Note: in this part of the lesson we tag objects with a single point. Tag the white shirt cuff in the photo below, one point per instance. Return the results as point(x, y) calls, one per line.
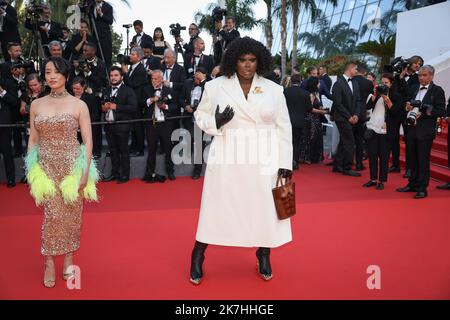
point(3, 93)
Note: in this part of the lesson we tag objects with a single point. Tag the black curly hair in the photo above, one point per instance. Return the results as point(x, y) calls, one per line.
point(240, 47)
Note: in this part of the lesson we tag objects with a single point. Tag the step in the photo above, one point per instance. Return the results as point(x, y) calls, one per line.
point(439, 144)
point(436, 157)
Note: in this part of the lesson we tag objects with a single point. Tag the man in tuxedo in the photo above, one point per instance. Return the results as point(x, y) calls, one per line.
point(150, 61)
point(198, 59)
point(420, 135)
point(9, 28)
point(323, 73)
point(446, 186)
point(323, 89)
point(119, 103)
point(190, 98)
point(65, 42)
point(137, 79)
point(345, 111)
point(92, 68)
point(161, 103)
point(365, 89)
point(193, 35)
point(18, 75)
point(226, 35)
point(55, 49)
point(174, 76)
point(79, 39)
point(15, 54)
point(103, 18)
point(141, 37)
point(49, 30)
point(8, 104)
point(298, 104)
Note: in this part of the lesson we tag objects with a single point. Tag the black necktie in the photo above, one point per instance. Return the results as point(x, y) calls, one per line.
point(423, 88)
point(350, 80)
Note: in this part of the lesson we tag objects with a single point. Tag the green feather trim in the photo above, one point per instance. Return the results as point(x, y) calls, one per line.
point(42, 187)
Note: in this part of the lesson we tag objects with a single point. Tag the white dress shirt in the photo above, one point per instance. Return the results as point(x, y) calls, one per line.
point(350, 83)
point(422, 92)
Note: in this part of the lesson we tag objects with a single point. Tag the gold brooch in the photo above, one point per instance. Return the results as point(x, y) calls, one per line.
point(257, 90)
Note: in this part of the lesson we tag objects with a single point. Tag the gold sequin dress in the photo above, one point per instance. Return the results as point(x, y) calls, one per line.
point(58, 150)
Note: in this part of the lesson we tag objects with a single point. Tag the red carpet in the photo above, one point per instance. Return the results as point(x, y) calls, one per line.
point(136, 244)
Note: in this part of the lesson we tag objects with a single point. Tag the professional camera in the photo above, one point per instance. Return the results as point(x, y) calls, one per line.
point(417, 106)
point(218, 13)
point(175, 29)
point(382, 90)
point(35, 8)
point(84, 65)
point(3, 3)
point(397, 65)
point(107, 98)
point(123, 59)
point(84, 4)
point(21, 62)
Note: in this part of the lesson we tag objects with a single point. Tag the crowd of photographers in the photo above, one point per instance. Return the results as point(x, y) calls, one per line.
point(149, 83)
point(146, 83)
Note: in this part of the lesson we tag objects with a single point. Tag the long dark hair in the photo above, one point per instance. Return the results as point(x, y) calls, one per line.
point(162, 33)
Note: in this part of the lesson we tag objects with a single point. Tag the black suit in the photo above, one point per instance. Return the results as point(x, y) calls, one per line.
point(5, 69)
point(72, 53)
point(161, 131)
point(189, 123)
point(345, 105)
point(152, 63)
point(177, 77)
point(420, 137)
point(365, 89)
point(96, 80)
point(205, 61)
point(145, 40)
point(54, 34)
point(225, 39)
point(448, 134)
point(103, 24)
point(8, 104)
point(137, 81)
point(93, 103)
point(298, 104)
point(10, 31)
point(117, 134)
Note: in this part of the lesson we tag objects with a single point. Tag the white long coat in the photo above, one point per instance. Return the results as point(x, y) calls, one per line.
point(237, 207)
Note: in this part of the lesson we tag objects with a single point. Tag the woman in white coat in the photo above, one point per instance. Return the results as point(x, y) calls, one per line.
point(252, 144)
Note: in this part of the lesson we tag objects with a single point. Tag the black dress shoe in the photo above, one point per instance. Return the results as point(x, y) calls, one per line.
point(337, 169)
point(171, 176)
point(421, 195)
point(147, 177)
point(23, 180)
point(11, 184)
point(137, 154)
point(394, 169)
point(407, 174)
point(196, 176)
point(406, 189)
point(197, 258)
point(360, 167)
point(263, 263)
point(351, 173)
point(444, 186)
point(109, 179)
point(295, 166)
point(380, 186)
point(370, 184)
point(123, 180)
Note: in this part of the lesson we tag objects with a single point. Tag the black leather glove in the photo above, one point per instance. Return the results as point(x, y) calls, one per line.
point(285, 173)
point(224, 117)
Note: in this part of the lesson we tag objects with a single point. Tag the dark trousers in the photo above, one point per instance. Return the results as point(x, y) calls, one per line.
point(137, 135)
point(97, 139)
point(393, 136)
point(378, 157)
point(358, 132)
point(419, 152)
point(296, 139)
point(346, 147)
point(117, 136)
point(161, 131)
point(6, 150)
point(190, 126)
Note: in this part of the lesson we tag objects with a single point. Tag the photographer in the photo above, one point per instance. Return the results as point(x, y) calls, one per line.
point(55, 49)
point(198, 59)
point(189, 99)
point(161, 103)
point(15, 54)
point(65, 42)
point(226, 35)
point(386, 104)
point(426, 102)
point(76, 44)
point(408, 77)
point(136, 78)
point(90, 67)
point(102, 16)
point(141, 38)
point(79, 90)
point(8, 104)
point(9, 31)
point(119, 103)
point(18, 76)
point(48, 30)
point(189, 47)
point(149, 61)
